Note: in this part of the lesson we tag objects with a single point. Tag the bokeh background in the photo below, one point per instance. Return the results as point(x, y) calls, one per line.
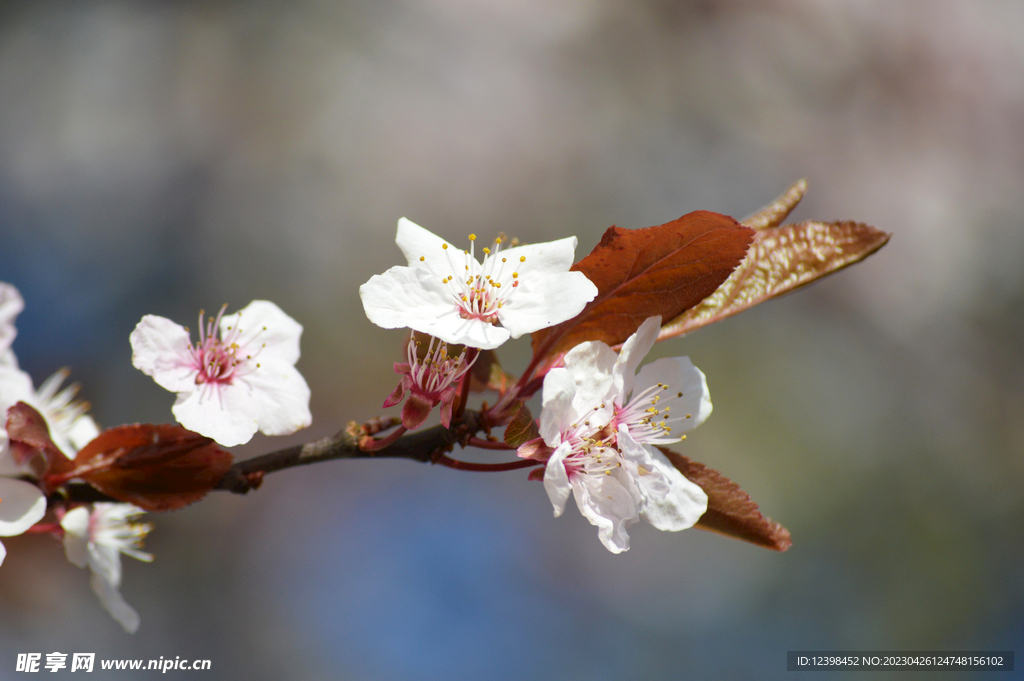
point(162, 157)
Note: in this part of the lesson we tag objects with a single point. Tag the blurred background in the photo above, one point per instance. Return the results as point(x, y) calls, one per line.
point(162, 157)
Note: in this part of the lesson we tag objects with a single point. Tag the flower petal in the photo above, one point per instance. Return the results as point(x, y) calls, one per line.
point(556, 479)
point(277, 394)
point(684, 504)
point(544, 301)
point(633, 352)
point(160, 348)
point(679, 374)
point(544, 258)
point(609, 505)
point(22, 505)
point(105, 561)
point(76, 535)
point(417, 242)
point(556, 405)
point(216, 412)
point(590, 365)
point(114, 603)
point(265, 328)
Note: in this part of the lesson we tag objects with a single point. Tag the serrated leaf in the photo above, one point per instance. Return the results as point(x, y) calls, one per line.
point(640, 273)
point(730, 510)
point(775, 212)
point(155, 467)
point(780, 260)
point(522, 428)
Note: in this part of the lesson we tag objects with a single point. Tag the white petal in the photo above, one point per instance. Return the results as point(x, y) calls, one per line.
point(22, 505)
point(3, 553)
point(105, 561)
point(279, 396)
point(391, 299)
point(82, 431)
point(556, 479)
point(633, 352)
point(452, 328)
point(639, 463)
point(114, 603)
point(556, 405)
point(220, 413)
point(11, 305)
point(679, 374)
point(609, 505)
point(590, 365)
point(549, 257)
point(417, 242)
point(76, 535)
point(160, 349)
point(265, 329)
point(684, 504)
point(15, 386)
point(543, 301)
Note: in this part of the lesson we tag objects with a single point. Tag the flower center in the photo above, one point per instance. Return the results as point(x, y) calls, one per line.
point(219, 360)
point(480, 290)
point(649, 418)
point(593, 450)
point(437, 370)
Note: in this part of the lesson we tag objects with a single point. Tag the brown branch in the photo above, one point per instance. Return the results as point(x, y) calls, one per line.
point(248, 474)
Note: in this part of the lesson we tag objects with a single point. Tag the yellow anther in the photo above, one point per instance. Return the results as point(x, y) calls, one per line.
point(515, 275)
point(472, 237)
point(444, 246)
point(498, 240)
point(687, 416)
point(522, 258)
point(487, 251)
point(679, 394)
point(422, 258)
point(504, 259)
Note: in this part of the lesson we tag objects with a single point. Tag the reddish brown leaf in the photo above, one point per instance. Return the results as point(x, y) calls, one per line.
point(775, 212)
point(155, 467)
point(29, 435)
point(521, 429)
point(780, 260)
point(730, 510)
point(640, 273)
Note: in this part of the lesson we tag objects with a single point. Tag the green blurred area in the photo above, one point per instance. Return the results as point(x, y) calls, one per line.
point(165, 157)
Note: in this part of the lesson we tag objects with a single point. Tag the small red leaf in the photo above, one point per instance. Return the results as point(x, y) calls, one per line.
point(155, 467)
point(730, 510)
point(522, 428)
point(780, 260)
point(640, 273)
point(29, 435)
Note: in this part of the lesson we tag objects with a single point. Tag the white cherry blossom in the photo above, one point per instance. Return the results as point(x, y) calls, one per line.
point(601, 420)
point(22, 505)
point(447, 293)
point(97, 539)
point(11, 305)
point(239, 378)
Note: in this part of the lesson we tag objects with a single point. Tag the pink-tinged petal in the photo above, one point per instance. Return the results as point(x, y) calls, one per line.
point(633, 352)
point(447, 401)
point(609, 505)
point(415, 411)
point(114, 603)
point(556, 405)
point(160, 348)
point(543, 301)
point(278, 394)
point(398, 393)
point(679, 374)
point(76, 535)
point(684, 504)
point(556, 479)
point(225, 416)
point(22, 505)
point(263, 328)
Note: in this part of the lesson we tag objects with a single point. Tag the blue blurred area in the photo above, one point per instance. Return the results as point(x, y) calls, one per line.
point(168, 157)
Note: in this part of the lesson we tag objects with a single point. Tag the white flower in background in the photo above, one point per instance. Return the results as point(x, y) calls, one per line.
point(70, 427)
point(602, 439)
point(447, 293)
point(11, 305)
point(239, 378)
point(97, 540)
point(22, 505)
